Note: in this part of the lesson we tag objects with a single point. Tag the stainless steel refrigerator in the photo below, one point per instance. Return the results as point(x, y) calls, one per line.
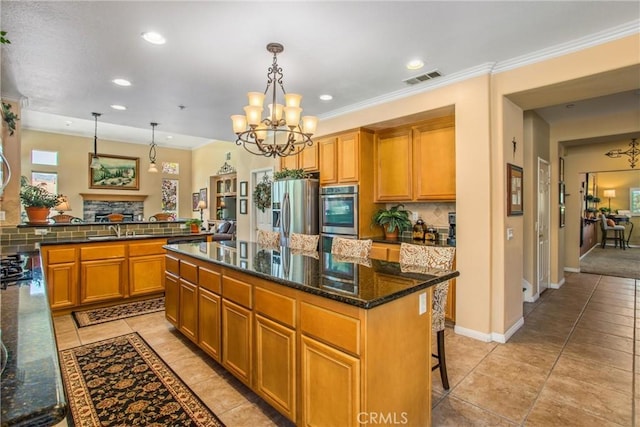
point(295, 207)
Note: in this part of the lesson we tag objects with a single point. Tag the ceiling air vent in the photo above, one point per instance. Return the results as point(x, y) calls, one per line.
point(423, 77)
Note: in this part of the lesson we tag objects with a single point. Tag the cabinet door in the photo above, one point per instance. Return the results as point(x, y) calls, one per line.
point(209, 323)
point(393, 166)
point(435, 153)
point(328, 372)
point(308, 158)
point(62, 285)
point(102, 280)
point(236, 340)
point(348, 156)
point(145, 274)
point(188, 311)
point(450, 310)
point(328, 169)
point(275, 365)
point(289, 162)
point(171, 299)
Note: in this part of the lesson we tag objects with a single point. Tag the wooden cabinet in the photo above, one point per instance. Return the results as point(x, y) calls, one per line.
point(385, 251)
point(589, 236)
point(236, 340)
point(327, 153)
point(188, 310)
point(146, 267)
point(62, 276)
point(307, 159)
point(209, 308)
point(343, 156)
point(103, 273)
point(172, 298)
point(416, 163)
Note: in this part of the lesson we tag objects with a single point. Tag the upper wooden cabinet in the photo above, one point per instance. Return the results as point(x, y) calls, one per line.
point(416, 163)
point(307, 159)
point(343, 155)
point(328, 170)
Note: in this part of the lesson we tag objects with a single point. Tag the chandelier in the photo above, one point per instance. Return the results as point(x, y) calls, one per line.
point(152, 150)
point(282, 133)
point(632, 152)
point(95, 161)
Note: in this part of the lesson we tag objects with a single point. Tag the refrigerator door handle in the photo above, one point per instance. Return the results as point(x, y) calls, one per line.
point(286, 215)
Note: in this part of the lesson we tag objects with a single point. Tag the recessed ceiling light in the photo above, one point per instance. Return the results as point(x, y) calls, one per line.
point(415, 64)
point(169, 137)
point(326, 97)
point(154, 38)
point(68, 123)
point(118, 107)
point(121, 82)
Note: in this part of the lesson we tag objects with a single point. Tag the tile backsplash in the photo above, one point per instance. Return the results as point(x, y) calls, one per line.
point(436, 214)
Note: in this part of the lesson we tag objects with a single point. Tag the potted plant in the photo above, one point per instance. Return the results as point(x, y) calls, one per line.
point(393, 220)
point(194, 223)
point(37, 201)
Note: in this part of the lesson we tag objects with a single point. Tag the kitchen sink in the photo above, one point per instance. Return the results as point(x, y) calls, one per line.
point(136, 236)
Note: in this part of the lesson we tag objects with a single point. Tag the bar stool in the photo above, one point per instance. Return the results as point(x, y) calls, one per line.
point(618, 232)
point(441, 258)
point(351, 247)
point(269, 238)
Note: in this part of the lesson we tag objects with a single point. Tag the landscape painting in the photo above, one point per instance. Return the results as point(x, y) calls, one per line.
point(115, 172)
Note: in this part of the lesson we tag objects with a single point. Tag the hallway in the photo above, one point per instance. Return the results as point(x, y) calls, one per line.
point(571, 364)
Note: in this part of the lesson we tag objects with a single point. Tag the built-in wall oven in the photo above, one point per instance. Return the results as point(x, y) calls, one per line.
point(339, 210)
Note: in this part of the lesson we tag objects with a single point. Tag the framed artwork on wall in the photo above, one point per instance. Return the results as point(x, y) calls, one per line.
point(203, 195)
point(514, 190)
point(115, 173)
point(195, 198)
point(243, 188)
point(243, 206)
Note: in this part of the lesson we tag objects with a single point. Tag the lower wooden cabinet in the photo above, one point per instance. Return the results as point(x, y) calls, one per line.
point(145, 274)
point(171, 298)
point(188, 311)
point(236, 340)
point(62, 285)
point(209, 306)
point(102, 280)
point(330, 385)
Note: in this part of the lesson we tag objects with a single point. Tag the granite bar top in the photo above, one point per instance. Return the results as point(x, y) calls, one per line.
point(112, 238)
point(361, 283)
point(31, 389)
point(410, 240)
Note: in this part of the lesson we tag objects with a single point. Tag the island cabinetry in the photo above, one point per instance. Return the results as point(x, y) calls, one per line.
point(306, 160)
point(146, 267)
point(62, 276)
point(209, 308)
point(188, 300)
point(103, 273)
point(237, 324)
point(416, 162)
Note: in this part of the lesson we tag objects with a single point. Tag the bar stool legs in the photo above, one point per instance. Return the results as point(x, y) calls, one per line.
point(442, 362)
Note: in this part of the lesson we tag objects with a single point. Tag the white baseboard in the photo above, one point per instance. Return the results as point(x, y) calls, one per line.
point(493, 336)
point(503, 338)
point(572, 269)
point(533, 298)
point(559, 284)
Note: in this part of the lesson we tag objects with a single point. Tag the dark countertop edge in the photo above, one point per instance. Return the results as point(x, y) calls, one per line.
point(84, 224)
point(46, 416)
point(323, 293)
point(380, 239)
point(121, 239)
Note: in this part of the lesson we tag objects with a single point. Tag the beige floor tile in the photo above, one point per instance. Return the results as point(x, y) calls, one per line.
point(606, 327)
point(613, 301)
point(608, 308)
point(193, 370)
point(612, 405)
point(66, 340)
point(561, 330)
point(541, 359)
point(453, 412)
point(64, 323)
point(619, 281)
point(531, 338)
point(606, 377)
point(223, 394)
point(247, 414)
point(583, 335)
point(103, 331)
point(148, 322)
point(615, 318)
point(505, 398)
point(599, 354)
point(512, 370)
point(549, 412)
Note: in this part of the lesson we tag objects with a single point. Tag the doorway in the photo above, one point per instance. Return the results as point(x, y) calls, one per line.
point(543, 226)
point(260, 220)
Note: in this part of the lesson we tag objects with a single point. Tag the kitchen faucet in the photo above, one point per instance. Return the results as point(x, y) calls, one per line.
point(115, 229)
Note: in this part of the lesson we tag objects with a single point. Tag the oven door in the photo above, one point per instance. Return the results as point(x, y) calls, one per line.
point(339, 213)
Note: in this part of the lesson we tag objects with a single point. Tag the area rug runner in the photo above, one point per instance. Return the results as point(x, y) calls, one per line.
point(612, 261)
point(121, 381)
point(115, 312)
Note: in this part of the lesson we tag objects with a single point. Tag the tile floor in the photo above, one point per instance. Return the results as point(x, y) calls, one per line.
point(571, 364)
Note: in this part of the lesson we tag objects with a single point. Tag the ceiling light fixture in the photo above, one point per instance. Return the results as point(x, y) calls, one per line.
point(154, 38)
point(118, 107)
point(121, 82)
point(326, 97)
point(95, 161)
point(152, 150)
point(274, 135)
point(632, 152)
point(415, 64)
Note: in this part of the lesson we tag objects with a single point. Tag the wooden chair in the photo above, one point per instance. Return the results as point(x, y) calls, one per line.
point(437, 257)
point(304, 242)
point(351, 247)
point(618, 232)
point(269, 238)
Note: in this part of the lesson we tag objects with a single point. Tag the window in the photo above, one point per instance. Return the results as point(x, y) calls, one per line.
point(48, 179)
point(39, 157)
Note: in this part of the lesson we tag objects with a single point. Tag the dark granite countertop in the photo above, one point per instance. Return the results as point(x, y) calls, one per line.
point(123, 238)
point(399, 240)
point(31, 389)
point(363, 284)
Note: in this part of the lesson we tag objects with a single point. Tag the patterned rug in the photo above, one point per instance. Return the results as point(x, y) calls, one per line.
point(115, 312)
point(122, 382)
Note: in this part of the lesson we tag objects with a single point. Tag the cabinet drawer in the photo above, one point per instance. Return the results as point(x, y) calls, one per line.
point(102, 252)
point(172, 265)
point(276, 306)
point(189, 271)
point(210, 280)
point(331, 327)
point(147, 248)
point(236, 291)
point(58, 256)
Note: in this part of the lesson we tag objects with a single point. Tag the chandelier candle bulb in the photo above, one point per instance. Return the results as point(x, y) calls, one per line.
point(254, 114)
point(256, 99)
point(309, 124)
point(292, 115)
point(239, 123)
point(292, 99)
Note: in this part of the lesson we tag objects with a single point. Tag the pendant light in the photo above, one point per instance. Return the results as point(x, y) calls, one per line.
point(95, 161)
point(152, 150)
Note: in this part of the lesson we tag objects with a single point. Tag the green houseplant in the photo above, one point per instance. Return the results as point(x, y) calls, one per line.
point(393, 220)
point(37, 201)
point(194, 224)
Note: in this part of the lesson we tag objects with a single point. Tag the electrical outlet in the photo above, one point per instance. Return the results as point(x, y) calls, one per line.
point(414, 216)
point(423, 303)
point(3, 216)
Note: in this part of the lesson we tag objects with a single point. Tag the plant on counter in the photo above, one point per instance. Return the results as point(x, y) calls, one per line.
point(36, 196)
point(393, 220)
point(290, 174)
point(193, 221)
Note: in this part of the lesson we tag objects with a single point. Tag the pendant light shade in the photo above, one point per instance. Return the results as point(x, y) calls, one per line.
point(95, 161)
point(152, 150)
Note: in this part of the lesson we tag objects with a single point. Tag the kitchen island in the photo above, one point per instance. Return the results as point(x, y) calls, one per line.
point(325, 341)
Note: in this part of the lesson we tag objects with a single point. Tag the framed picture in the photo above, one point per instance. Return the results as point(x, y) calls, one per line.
point(243, 264)
point(561, 193)
point(169, 201)
point(115, 173)
point(203, 195)
point(243, 188)
point(561, 216)
point(195, 198)
point(243, 206)
point(561, 170)
point(243, 250)
point(514, 190)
